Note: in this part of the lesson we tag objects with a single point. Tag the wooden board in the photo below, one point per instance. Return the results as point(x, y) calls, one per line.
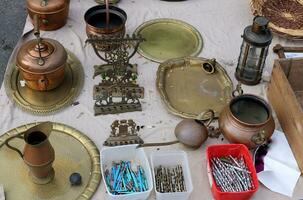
point(282, 89)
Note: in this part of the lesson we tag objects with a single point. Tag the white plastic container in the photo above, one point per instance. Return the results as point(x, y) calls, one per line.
point(172, 159)
point(127, 153)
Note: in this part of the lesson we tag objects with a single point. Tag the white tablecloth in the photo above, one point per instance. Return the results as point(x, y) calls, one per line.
point(221, 24)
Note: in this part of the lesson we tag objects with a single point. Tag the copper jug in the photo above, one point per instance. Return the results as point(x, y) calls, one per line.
point(42, 62)
point(38, 153)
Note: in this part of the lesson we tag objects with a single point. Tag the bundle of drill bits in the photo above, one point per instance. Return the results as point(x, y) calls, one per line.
point(231, 174)
point(169, 180)
point(121, 179)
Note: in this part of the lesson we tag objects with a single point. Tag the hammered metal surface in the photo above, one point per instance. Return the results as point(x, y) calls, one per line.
point(187, 90)
point(168, 38)
point(43, 103)
point(74, 152)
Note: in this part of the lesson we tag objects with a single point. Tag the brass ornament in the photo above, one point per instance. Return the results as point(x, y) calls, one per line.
point(118, 76)
point(47, 102)
point(123, 132)
point(74, 152)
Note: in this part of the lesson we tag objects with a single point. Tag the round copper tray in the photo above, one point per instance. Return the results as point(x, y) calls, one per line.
point(74, 152)
point(43, 103)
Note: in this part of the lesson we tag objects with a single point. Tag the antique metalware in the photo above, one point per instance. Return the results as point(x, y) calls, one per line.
point(189, 86)
point(74, 152)
point(118, 91)
point(42, 62)
point(38, 153)
point(42, 103)
point(288, 52)
point(168, 38)
point(248, 120)
point(105, 22)
point(169, 179)
point(189, 132)
point(123, 132)
point(75, 179)
point(52, 13)
point(285, 94)
point(254, 50)
point(286, 17)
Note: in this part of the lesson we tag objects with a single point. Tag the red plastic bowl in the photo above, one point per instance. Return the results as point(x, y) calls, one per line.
point(235, 150)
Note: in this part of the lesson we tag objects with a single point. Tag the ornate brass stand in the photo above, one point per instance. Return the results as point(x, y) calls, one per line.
point(118, 91)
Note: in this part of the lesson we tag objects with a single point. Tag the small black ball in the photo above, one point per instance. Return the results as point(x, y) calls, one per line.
point(75, 179)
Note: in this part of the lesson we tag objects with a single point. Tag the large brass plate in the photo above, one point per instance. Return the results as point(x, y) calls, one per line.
point(42, 103)
point(74, 152)
point(187, 90)
point(168, 38)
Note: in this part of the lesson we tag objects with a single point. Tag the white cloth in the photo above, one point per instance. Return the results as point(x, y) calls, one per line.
point(281, 171)
point(2, 196)
point(221, 24)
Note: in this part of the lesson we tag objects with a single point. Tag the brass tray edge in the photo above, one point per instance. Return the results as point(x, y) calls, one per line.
point(198, 34)
point(164, 99)
point(10, 92)
point(89, 145)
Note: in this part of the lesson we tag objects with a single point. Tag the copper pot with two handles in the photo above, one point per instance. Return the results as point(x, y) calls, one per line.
point(248, 120)
point(42, 62)
point(52, 14)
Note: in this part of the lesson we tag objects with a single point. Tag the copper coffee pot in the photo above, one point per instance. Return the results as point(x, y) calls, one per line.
point(38, 153)
point(42, 62)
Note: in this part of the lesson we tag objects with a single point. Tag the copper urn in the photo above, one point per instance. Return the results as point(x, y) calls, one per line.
point(38, 153)
point(247, 120)
point(42, 63)
point(52, 13)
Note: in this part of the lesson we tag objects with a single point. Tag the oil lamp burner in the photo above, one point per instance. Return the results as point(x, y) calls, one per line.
point(254, 49)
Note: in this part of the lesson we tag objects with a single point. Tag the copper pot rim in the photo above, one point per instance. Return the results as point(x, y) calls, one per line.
point(256, 98)
point(113, 10)
point(45, 12)
point(42, 73)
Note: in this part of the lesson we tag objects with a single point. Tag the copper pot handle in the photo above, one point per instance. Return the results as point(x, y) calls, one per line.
point(238, 91)
point(43, 83)
point(37, 34)
point(212, 116)
point(14, 148)
point(259, 138)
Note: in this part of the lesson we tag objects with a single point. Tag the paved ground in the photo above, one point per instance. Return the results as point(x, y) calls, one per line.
point(12, 18)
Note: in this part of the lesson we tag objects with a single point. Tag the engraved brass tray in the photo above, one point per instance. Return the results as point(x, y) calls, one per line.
point(74, 152)
point(168, 38)
point(48, 102)
point(188, 90)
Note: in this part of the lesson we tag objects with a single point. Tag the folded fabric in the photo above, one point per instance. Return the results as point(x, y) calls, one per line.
point(281, 171)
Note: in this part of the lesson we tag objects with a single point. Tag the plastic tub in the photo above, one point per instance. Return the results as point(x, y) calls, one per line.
point(127, 153)
point(235, 150)
point(172, 159)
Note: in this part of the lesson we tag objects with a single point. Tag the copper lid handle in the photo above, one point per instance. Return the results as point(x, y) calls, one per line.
point(37, 34)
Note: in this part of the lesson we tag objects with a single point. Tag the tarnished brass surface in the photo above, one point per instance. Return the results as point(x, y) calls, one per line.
point(75, 152)
point(168, 38)
point(47, 102)
point(188, 90)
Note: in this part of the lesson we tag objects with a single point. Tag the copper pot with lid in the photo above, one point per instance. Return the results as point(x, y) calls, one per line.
point(52, 13)
point(42, 62)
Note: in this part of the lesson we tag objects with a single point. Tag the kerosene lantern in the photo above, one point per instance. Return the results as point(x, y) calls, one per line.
point(254, 49)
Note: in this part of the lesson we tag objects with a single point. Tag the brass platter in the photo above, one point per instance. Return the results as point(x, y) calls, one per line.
point(43, 103)
point(74, 152)
point(168, 38)
point(187, 90)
